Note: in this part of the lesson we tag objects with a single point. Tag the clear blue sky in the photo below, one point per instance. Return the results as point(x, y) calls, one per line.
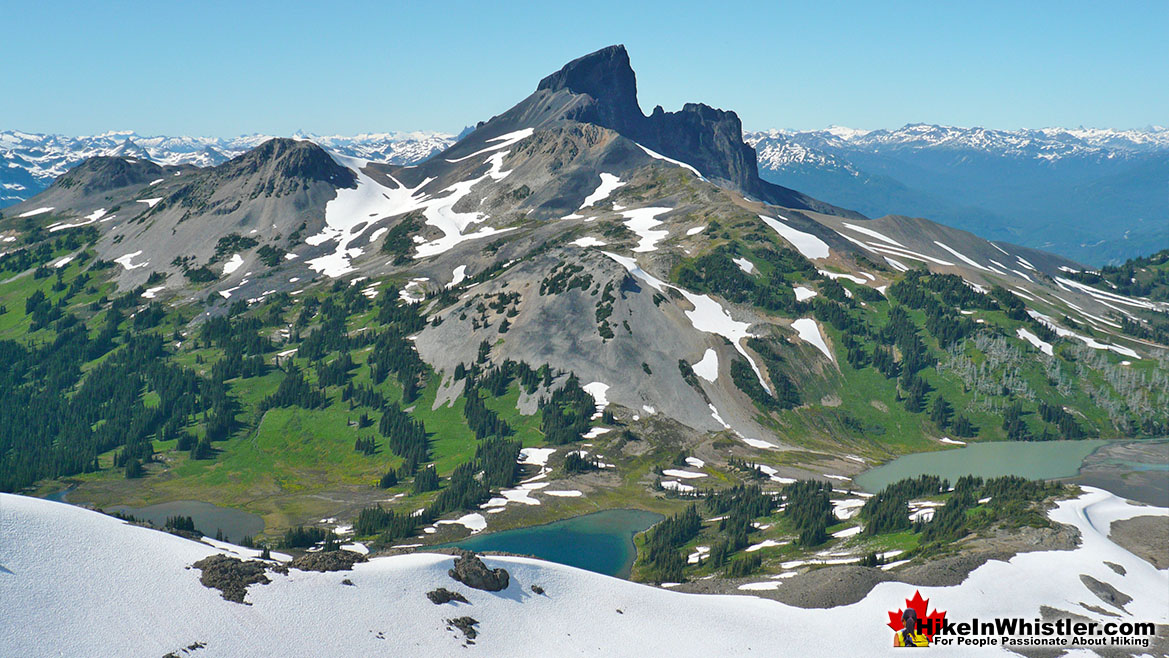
point(229, 68)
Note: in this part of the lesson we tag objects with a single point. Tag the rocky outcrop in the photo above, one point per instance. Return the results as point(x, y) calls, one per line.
point(231, 575)
point(340, 560)
point(470, 571)
point(466, 625)
point(443, 595)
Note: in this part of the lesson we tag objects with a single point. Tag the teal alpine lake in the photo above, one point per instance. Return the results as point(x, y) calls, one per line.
point(1036, 460)
point(600, 542)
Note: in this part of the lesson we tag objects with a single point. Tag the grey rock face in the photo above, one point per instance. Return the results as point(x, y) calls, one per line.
point(470, 571)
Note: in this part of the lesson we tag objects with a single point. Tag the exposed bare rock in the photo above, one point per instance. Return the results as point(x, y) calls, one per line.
point(1107, 593)
point(443, 595)
point(231, 575)
point(1147, 537)
point(466, 625)
point(470, 571)
point(340, 560)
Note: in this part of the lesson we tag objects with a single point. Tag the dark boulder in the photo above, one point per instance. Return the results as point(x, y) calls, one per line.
point(231, 575)
point(443, 595)
point(470, 571)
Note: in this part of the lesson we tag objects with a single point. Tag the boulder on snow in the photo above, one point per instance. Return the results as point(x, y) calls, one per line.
point(443, 595)
point(231, 575)
point(470, 571)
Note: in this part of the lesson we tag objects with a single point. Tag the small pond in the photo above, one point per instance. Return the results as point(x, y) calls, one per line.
point(209, 519)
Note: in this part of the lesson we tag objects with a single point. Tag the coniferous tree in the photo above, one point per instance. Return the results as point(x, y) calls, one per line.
point(940, 412)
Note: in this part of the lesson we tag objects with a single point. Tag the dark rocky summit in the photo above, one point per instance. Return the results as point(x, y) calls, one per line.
point(707, 138)
point(470, 571)
point(102, 174)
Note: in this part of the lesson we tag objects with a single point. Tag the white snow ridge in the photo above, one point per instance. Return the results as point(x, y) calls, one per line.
point(60, 563)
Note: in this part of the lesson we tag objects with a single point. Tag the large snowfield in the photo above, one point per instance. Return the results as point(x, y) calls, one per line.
point(78, 583)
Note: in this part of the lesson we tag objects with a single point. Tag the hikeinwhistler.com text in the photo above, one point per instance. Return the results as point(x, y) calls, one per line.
point(1018, 632)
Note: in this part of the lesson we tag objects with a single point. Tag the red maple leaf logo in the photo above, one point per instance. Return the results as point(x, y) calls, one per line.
point(919, 606)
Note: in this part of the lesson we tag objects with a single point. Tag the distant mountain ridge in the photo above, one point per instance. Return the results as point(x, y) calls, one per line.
point(1096, 195)
point(30, 162)
point(1037, 143)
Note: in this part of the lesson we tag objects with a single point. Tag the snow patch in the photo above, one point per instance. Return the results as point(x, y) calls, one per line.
point(864, 230)
point(707, 368)
point(745, 265)
point(838, 275)
point(609, 183)
point(659, 156)
point(38, 211)
point(125, 261)
point(1041, 345)
point(807, 244)
point(809, 332)
point(457, 276)
point(803, 293)
point(598, 390)
point(588, 241)
point(642, 222)
point(233, 264)
point(685, 475)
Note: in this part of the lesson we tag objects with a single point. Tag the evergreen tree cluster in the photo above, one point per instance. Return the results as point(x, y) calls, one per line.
point(664, 562)
point(717, 273)
point(483, 421)
point(809, 509)
point(56, 422)
point(566, 414)
point(785, 393)
point(1062, 419)
point(294, 391)
point(499, 460)
point(888, 511)
point(306, 537)
point(738, 506)
point(406, 437)
point(574, 462)
point(390, 525)
point(180, 523)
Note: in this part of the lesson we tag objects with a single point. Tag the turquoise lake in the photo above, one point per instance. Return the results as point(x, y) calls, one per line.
point(600, 542)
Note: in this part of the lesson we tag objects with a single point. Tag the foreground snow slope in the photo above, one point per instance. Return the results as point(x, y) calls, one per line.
point(78, 583)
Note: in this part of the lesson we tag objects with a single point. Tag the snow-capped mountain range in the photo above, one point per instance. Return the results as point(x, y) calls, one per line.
point(1094, 195)
point(30, 162)
point(778, 148)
